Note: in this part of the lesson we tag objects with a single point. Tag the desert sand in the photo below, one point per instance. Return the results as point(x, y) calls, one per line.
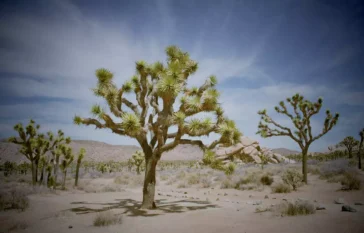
point(191, 209)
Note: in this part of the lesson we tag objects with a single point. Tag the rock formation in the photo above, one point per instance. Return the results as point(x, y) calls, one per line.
point(248, 150)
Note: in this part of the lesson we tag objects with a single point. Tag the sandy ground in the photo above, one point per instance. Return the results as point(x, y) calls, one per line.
point(203, 210)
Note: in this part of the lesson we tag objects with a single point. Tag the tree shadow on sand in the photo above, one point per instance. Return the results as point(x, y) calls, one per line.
point(132, 207)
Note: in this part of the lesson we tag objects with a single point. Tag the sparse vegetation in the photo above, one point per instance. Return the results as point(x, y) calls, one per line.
point(303, 132)
point(281, 188)
point(15, 199)
point(107, 218)
point(351, 181)
point(266, 179)
point(299, 207)
point(293, 178)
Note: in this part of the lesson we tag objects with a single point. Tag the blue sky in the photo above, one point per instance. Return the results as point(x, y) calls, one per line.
point(260, 51)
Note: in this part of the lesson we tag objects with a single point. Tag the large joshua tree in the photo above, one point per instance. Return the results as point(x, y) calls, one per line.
point(302, 134)
point(361, 134)
point(350, 143)
point(153, 115)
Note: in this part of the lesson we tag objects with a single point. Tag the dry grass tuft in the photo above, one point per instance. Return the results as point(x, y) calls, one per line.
point(107, 218)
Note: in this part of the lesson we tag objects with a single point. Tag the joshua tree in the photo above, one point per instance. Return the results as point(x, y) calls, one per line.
point(130, 164)
point(138, 159)
point(155, 112)
point(34, 145)
point(361, 134)
point(81, 154)
point(350, 143)
point(68, 157)
point(303, 111)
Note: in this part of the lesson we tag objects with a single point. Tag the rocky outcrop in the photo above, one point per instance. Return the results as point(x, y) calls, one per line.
point(248, 150)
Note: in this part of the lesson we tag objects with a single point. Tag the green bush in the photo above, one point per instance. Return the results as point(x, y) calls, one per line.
point(266, 180)
point(350, 181)
point(14, 200)
point(281, 188)
point(293, 178)
point(297, 208)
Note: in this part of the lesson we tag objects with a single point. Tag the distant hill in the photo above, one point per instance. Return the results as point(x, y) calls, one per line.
point(100, 151)
point(285, 151)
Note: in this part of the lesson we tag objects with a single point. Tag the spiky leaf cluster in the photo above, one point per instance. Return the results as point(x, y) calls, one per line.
point(303, 110)
point(156, 88)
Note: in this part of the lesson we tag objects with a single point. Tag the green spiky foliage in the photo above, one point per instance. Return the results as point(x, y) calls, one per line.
point(149, 119)
point(35, 145)
point(264, 158)
point(9, 168)
point(130, 164)
point(349, 143)
point(26, 140)
point(67, 158)
point(80, 157)
point(303, 110)
point(361, 134)
point(209, 159)
point(138, 159)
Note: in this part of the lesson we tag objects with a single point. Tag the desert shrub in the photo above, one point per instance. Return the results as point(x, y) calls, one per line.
point(193, 179)
point(230, 169)
point(333, 168)
point(124, 180)
point(292, 177)
point(107, 218)
point(314, 170)
point(181, 175)
point(227, 184)
point(281, 188)
point(15, 199)
point(164, 177)
point(352, 163)
point(266, 179)
point(206, 182)
point(350, 181)
point(300, 207)
point(182, 185)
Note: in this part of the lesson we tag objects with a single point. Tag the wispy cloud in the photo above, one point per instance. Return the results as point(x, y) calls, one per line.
point(55, 55)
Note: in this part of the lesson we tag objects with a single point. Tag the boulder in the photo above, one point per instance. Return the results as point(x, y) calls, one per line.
point(248, 150)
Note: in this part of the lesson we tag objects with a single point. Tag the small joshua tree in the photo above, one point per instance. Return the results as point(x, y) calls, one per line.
point(361, 134)
point(68, 157)
point(81, 154)
point(130, 164)
point(155, 113)
point(301, 118)
point(34, 145)
point(264, 158)
point(350, 143)
point(138, 159)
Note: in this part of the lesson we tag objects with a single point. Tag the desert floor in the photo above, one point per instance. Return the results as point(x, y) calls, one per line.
point(192, 209)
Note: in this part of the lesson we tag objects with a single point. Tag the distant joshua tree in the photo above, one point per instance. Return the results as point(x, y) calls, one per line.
point(152, 116)
point(361, 134)
point(350, 143)
point(302, 135)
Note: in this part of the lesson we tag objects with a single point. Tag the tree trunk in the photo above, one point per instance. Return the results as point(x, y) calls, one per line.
point(350, 153)
point(56, 171)
point(359, 155)
point(36, 169)
point(77, 171)
point(64, 179)
point(34, 174)
point(138, 170)
point(149, 183)
point(304, 164)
